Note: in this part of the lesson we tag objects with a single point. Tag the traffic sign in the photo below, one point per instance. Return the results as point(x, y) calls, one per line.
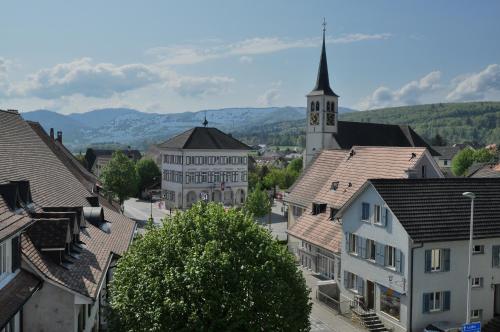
point(472, 327)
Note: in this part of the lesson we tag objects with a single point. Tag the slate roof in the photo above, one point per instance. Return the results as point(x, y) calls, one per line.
point(15, 294)
point(351, 173)
point(351, 134)
point(435, 210)
point(204, 138)
point(11, 222)
point(314, 177)
point(323, 81)
point(53, 185)
point(488, 170)
point(447, 152)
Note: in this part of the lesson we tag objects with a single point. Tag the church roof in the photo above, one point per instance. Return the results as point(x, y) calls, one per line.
point(323, 82)
point(204, 138)
point(378, 134)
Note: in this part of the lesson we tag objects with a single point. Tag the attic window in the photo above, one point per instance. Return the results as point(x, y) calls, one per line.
point(318, 208)
point(335, 185)
point(333, 212)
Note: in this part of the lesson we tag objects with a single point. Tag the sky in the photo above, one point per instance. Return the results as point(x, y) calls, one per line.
point(176, 56)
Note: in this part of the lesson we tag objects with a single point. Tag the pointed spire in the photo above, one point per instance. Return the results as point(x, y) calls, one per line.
point(205, 122)
point(323, 81)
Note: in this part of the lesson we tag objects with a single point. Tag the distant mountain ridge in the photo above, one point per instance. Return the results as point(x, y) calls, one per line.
point(126, 126)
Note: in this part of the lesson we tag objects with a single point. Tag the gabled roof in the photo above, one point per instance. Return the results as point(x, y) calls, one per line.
point(350, 134)
point(355, 168)
point(435, 210)
point(484, 170)
point(447, 152)
point(204, 138)
point(314, 177)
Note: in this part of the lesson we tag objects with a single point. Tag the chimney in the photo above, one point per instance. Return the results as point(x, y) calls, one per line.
point(59, 136)
point(52, 133)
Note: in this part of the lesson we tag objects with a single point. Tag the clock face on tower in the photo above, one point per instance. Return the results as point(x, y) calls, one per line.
point(314, 118)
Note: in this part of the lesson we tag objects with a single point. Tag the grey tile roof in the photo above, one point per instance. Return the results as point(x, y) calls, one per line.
point(447, 152)
point(435, 210)
point(204, 138)
point(376, 134)
point(484, 170)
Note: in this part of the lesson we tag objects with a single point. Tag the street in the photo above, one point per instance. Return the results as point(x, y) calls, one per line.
point(140, 211)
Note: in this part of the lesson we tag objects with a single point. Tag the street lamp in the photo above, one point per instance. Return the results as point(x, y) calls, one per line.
point(472, 196)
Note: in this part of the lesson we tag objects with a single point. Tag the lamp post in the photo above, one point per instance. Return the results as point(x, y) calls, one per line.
point(472, 196)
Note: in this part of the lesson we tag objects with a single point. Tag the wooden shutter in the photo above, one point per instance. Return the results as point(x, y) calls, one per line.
point(428, 254)
point(446, 259)
point(379, 253)
point(446, 300)
point(425, 302)
point(495, 251)
point(399, 260)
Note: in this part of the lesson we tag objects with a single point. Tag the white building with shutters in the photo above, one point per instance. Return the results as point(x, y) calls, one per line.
point(204, 164)
point(405, 252)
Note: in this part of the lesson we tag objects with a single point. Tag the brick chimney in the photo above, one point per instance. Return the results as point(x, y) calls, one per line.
point(59, 136)
point(52, 133)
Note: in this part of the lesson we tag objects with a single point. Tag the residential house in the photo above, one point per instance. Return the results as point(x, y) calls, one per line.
point(446, 154)
point(74, 241)
point(484, 170)
point(204, 163)
point(405, 251)
point(97, 159)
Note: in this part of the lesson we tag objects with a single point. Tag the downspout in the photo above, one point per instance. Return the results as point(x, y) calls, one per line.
point(411, 280)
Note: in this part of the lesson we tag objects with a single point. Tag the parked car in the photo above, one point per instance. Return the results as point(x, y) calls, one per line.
point(443, 326)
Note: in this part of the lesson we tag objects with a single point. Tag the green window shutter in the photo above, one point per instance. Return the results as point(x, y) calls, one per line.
point(495, 251)
point(425, 302)
point(446, 300)
point(428, 260)
point(446, 259)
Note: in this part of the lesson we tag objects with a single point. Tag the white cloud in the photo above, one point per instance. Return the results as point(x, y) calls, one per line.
point(410, 93)
point(270, 96)
point(476, 86)
point(246, 59)
point(192, 54)
point(104, 80)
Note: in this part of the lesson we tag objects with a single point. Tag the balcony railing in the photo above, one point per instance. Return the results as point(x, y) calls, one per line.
point(329, 301)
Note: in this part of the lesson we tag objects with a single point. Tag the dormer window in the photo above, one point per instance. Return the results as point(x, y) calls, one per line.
point(335, 185)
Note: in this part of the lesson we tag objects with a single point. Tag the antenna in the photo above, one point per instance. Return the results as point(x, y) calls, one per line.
point(205, 122)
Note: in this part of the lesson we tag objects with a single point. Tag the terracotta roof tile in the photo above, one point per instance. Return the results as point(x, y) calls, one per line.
point(318, 230)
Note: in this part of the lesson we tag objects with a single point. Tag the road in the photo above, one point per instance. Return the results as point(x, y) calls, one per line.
point(140, 211)
point(278, 221)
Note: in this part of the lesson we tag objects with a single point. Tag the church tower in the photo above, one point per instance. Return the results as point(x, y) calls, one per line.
point(322, 111)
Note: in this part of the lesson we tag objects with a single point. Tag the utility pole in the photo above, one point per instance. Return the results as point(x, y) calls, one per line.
point(472, 196)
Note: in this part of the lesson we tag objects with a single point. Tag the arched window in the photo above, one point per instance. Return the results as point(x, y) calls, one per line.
point(312, 105)
point(333, 106)
point(328, 106)
point(317, 106)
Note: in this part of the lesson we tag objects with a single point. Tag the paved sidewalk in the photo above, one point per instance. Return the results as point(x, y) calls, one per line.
point(324, 319)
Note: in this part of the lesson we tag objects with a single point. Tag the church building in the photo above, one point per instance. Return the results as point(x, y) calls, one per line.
point(325, 131)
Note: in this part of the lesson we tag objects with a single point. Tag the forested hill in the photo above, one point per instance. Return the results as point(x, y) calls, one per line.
point(456, 122)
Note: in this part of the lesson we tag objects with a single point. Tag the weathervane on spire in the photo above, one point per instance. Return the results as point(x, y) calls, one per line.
point(205, 122)
point(324, 26)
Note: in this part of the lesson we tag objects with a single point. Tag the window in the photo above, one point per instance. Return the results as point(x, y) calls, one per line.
point(437, 260)
point(478, 249)
point(377, 214)
point(476, 314)
point(390, 256)
point(365, 211)
point(296, 211)
point(312, 105)
point(445, 162)
point(330, 114)
point(424, 171)
point(390, 302)
point(436, 301)
point(353, 245)
point(477, 282)
point(327, 106)
point(317, 106)
point(353, 282)
point(370, 249)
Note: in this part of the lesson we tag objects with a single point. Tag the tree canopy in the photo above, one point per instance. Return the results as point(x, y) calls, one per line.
point(208, 269)
point(148, 173)
point(465, 158)
point(258, 203)
point(120, 177)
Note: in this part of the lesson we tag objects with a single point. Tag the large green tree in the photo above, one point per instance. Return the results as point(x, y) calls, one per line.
point(120, 177)
point(258, 203)
point(208, 269)
point(465, 158)
point(148, 173)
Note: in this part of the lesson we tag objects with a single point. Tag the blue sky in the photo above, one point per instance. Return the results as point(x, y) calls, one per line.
point(166, 56)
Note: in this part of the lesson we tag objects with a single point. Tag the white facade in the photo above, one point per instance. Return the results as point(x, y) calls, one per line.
point(217, 175)
point(428, 282)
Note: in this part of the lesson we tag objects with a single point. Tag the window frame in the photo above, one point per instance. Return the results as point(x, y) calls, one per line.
point(377, 216)
point(371, 250)
point(363, 205)
point(433, 301)
point(478, 315)
point(479, 283)
point(439, 267)
point(481, 250)
point(390, 257)
point(353, 244)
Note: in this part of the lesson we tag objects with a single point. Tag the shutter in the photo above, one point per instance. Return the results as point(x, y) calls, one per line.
point(379, 257)
point(446, 259)
point(346, 286)
point(360, 287)
point(385, 219)
point(495, 251)
point(363, 247)
point(428, 260)
point(425, 302)
point(399, 260)
point(359, 246)
point(347, 242)
point(16, 254)
point(446, 300)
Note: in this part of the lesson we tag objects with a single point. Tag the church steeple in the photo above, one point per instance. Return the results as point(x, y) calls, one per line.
point(323, 81)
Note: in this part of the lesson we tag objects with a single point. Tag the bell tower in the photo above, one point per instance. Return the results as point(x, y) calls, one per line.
point(322, 111)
